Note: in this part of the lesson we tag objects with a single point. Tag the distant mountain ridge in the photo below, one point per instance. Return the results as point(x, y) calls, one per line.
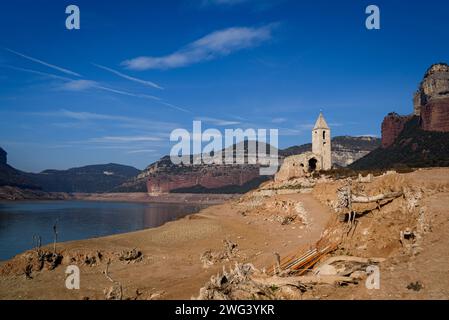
point(119, 178)
point(165, 176)
point(87, 179)
point(92, 178)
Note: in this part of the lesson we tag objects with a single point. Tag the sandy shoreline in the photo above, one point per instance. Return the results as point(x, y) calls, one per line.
point(175, 198)
point(170, 267)
point(13, 194)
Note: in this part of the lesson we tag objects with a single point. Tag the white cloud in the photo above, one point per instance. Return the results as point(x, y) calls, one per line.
point(52, 66)
point(218, 122)
point(278, 120)
point(214, 45)
point(125, 139)
point(124, 121)
point(39, 73)
point(84, 84)
point(141, 151)
point(79, 85)
point(144, 82)
point(369, 135)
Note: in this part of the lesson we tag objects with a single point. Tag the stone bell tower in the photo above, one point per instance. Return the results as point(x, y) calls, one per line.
point(321, 142)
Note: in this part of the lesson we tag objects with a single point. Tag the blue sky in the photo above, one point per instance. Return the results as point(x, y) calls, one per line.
point(113, 90)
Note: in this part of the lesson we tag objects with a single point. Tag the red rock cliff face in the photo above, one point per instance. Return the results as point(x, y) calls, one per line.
point(392, 126)
point(431, 104)
point(211, 177)
point(435, 116)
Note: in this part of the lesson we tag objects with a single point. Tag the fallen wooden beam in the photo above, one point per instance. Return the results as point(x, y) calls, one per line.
point(368, 199)
point(298, 280)
point(352, 259)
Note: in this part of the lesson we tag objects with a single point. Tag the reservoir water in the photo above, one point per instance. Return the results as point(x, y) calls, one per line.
point(75, 220)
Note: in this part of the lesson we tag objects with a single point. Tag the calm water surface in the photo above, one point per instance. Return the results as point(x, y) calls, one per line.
point(76, 220)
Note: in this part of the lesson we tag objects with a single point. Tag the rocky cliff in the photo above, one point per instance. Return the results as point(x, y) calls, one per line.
point(430, 105)
point(205, 178)
point(163, 177)
point(414, 148)
point(346, 150)
point(392, 126)
point(420, 139)
point(434, 86)
point(435, 115)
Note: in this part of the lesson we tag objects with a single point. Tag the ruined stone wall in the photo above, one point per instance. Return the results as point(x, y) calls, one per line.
point(297, 166)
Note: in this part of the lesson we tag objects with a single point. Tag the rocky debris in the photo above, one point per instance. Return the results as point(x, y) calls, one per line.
point(302, 213)
point(274, 209)
point(210, 257)
point(50, 260)
point(302, 185)
point(115, 292)
point(156, 295)
point(254, 199)
point(285, 212)
point(130, 255)
point(353, 267)
point(393, 229)
point(407, 238)
point(43, 259)
point(80, 258)
point(31, 262)
point(235, 285)
point(245, 282)
point(369, 178)
point(415, 286)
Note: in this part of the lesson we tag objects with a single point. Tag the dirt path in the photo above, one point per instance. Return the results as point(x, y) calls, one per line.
point(171, 266)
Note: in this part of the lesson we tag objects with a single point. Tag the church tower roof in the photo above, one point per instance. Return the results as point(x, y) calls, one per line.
point(321, 123)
